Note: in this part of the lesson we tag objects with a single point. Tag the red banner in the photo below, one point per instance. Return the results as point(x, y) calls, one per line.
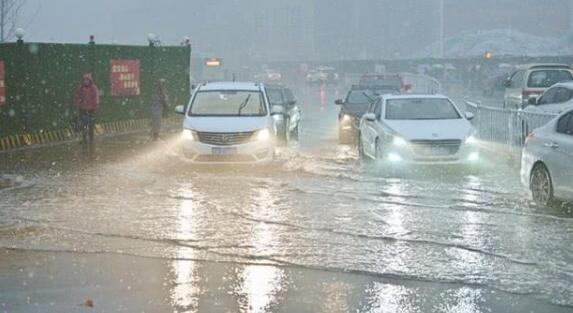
point(2, 84)
point(124, 77)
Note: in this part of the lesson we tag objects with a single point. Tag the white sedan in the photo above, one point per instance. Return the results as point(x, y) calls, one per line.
point(418, 129)
point(547, 161)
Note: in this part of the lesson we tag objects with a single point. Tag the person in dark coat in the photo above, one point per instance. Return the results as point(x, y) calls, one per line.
point(158, 107)
point(86, 100)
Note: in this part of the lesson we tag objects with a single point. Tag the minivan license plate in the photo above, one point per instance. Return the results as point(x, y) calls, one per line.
point(224, 151)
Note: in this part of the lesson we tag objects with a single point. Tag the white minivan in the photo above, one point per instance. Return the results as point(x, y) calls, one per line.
point(228, 122)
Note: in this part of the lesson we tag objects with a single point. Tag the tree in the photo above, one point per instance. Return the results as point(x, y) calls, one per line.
point(9, 13)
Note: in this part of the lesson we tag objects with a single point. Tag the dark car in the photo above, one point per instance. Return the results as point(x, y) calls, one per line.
point(287, 124)
point(381, 81)
point(354, 105)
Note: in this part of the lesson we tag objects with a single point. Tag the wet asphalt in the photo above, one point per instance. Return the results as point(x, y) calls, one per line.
point(139, 229)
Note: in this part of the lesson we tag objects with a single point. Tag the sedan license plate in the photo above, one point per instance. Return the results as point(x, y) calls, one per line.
point(224, 151)
point(440, 151)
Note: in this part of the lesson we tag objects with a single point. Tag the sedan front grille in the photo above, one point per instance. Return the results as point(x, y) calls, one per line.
point(224, 139)
point(436, 147)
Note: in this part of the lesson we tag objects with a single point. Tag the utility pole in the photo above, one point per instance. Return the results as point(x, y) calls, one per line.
point(442, 31)
point(2, 19)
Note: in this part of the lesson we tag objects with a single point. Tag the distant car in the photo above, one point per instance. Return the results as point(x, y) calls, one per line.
point(556, 99)
point(547, 161)
point(417, 129)
point(322, 75)
point(286, 123)
point(269, 76)
point(531, 81)
point(228, 122)
point(353, 106)
point(375, 80)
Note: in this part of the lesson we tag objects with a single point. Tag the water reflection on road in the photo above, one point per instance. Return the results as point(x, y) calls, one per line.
point(316, 231)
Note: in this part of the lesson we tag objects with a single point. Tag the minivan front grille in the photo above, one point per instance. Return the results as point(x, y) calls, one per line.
point(436, 147)
point(224, 139)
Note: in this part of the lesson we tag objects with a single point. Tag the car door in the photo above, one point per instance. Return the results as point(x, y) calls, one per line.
point(560, 157)
point(371, 129)
point(514, 91)
point(293, 109)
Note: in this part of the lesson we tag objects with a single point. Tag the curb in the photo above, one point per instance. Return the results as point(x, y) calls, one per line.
point(42, 137)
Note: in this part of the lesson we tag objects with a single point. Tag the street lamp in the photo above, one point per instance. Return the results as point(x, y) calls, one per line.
point(20, 32)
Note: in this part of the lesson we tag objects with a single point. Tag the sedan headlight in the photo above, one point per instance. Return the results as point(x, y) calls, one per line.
point(189, 135)
point(471, 140)
point(262, 135)
point(346, 118)
point(399, 141)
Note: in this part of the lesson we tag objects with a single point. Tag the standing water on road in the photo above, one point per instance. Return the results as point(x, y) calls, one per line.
point(317, 230)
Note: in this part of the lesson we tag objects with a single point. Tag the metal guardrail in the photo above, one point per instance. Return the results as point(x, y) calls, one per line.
point(505, 126)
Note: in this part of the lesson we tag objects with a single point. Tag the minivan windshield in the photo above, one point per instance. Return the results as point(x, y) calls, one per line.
point(228, 103)
point(548, 78)
point(421, 109)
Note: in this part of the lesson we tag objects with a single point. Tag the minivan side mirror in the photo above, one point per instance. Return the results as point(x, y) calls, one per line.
point(370, 117)
point(180, 109)
point(339, 102)
point(532, 100)
point(469, 116)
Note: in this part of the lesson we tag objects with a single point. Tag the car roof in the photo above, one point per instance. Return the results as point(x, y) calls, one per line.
point(249, 86)
point(543, 66)
point(417, 96)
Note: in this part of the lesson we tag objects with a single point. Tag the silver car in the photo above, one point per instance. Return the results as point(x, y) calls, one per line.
point(531, 80)
point(547, 161)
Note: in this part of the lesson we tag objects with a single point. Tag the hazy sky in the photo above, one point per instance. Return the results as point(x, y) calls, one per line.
point(379, 28)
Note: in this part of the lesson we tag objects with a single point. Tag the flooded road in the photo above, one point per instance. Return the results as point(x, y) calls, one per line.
point(140, 229)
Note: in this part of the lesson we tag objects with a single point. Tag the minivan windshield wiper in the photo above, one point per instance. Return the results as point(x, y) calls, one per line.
point(244, 104)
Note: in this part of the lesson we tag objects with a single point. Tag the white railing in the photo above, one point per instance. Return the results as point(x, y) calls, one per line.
point(505, 126)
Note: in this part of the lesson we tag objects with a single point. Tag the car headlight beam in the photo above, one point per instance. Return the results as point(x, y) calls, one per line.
point(399, 141)
point(189, 135)
point(263, 135)
point(471, 140)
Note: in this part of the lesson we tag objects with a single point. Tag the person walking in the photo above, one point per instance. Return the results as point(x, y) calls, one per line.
point(86, 100)
point(158, 108)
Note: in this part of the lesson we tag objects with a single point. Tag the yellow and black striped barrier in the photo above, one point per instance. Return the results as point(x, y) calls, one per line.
point(68, 134)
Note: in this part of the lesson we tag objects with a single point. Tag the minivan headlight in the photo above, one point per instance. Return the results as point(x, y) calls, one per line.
point(262, 135)
point(189, 135)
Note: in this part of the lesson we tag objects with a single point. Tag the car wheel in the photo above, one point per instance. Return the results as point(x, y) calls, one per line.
point(294, 133)
point(361, 148)
point(378, 153)
point(541, 185)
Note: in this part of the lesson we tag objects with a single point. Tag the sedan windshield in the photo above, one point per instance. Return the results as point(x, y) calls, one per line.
point(228, 103)
point(421, 109)
point(360, 97)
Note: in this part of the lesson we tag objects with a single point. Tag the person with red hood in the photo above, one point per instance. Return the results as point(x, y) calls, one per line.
point(86, 100)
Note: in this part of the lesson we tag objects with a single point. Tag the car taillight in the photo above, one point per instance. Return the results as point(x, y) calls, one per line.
point(528, 93)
